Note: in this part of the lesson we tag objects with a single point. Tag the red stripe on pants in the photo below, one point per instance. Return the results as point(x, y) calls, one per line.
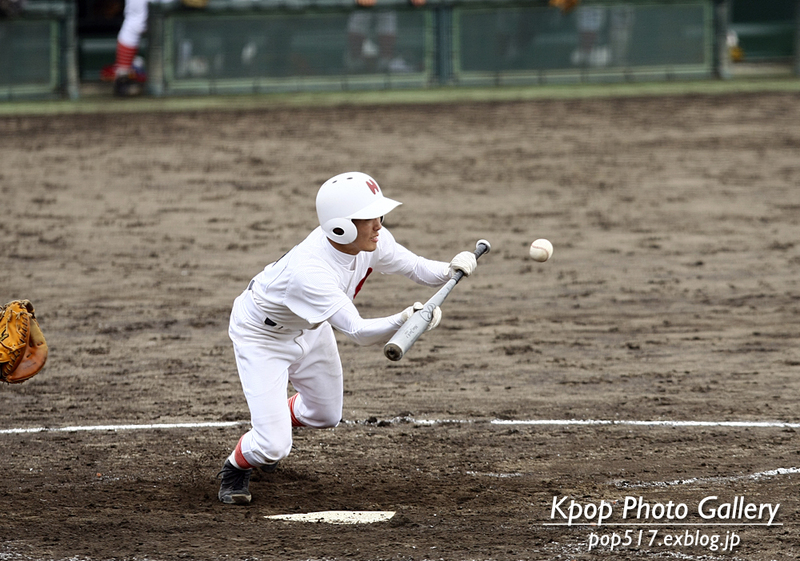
point(295, 422)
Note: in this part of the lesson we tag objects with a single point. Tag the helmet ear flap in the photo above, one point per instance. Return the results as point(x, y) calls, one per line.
point(340, 230)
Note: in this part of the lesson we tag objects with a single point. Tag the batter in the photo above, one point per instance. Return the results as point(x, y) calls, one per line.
point(282, 325)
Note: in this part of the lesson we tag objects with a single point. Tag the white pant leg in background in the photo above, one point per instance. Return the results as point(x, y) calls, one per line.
point(386, 23)
point(361, 22)
point(134, 24)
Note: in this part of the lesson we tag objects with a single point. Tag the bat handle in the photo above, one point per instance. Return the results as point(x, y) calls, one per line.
point(483, 246)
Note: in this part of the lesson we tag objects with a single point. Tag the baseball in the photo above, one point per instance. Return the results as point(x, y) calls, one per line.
point(541, 250)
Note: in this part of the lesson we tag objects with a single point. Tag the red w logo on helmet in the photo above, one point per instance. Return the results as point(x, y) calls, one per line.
point(373, 187)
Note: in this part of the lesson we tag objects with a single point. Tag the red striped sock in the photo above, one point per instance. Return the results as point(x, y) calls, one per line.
point(125, 56)
point(241, 463)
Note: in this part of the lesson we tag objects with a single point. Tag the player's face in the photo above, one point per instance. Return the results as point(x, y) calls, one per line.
point(367, 238)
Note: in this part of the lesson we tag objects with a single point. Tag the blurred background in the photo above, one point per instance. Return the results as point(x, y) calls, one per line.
point(59, 48)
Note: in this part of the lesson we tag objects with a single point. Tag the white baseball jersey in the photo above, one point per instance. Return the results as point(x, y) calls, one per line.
point(314, 280)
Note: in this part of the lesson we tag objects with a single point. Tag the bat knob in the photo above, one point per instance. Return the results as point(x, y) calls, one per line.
point(392, 351)
point(484, 243)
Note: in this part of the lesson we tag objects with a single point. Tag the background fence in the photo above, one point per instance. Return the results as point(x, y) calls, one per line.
point(37, 51)
point(257, 48)
point(239, 46)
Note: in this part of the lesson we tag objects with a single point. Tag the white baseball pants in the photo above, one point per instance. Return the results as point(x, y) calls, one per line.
point(267, 360)
point(134, 23)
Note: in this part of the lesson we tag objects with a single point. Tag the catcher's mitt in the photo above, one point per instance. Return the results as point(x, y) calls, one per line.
point(564, 5)
point(23, 350)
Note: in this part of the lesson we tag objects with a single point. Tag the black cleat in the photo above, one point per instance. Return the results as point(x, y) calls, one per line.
point(126, 85)
point(233, 489)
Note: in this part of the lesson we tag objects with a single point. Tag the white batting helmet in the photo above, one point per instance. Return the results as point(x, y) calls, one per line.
point(348, 196)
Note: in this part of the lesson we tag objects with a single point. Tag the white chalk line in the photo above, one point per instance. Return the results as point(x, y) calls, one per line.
point(424, 422)
point(688, 424)
point(101, 428)
point(719, 479)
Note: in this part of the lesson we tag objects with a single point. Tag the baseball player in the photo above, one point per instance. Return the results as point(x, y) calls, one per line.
point(282, 324)
point(127, 78)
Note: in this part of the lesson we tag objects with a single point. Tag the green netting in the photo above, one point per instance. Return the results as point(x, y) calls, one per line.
point(264, 46)
point(591, 36)
point(26, 53)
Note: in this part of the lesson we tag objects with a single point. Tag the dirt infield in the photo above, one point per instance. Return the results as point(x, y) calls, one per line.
point(673, 295)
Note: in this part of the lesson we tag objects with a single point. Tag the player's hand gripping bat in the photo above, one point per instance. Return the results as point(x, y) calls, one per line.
point(416, 325)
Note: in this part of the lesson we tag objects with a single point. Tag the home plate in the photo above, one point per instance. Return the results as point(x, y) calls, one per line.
point(338, 516)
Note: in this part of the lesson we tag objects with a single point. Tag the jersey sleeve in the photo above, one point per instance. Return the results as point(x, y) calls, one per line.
point(314, 295)
point(362, 331)
point(395, 259)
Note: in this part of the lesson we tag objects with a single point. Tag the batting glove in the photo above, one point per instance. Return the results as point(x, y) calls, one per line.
point(436, 319)
point(465, 262)
point(411, 310)
point(408, 312)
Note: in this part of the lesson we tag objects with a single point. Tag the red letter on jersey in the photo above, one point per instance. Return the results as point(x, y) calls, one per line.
point(360, 284)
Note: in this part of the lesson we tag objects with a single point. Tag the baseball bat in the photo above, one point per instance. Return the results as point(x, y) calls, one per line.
point(417, 324)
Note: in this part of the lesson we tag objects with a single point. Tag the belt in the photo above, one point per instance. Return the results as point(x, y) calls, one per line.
point(267, 321)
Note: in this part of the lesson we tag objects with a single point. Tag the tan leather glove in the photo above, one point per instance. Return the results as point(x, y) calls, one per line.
point(23, 349)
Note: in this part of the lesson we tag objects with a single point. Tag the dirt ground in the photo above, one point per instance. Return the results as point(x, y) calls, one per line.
point(673, 294)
